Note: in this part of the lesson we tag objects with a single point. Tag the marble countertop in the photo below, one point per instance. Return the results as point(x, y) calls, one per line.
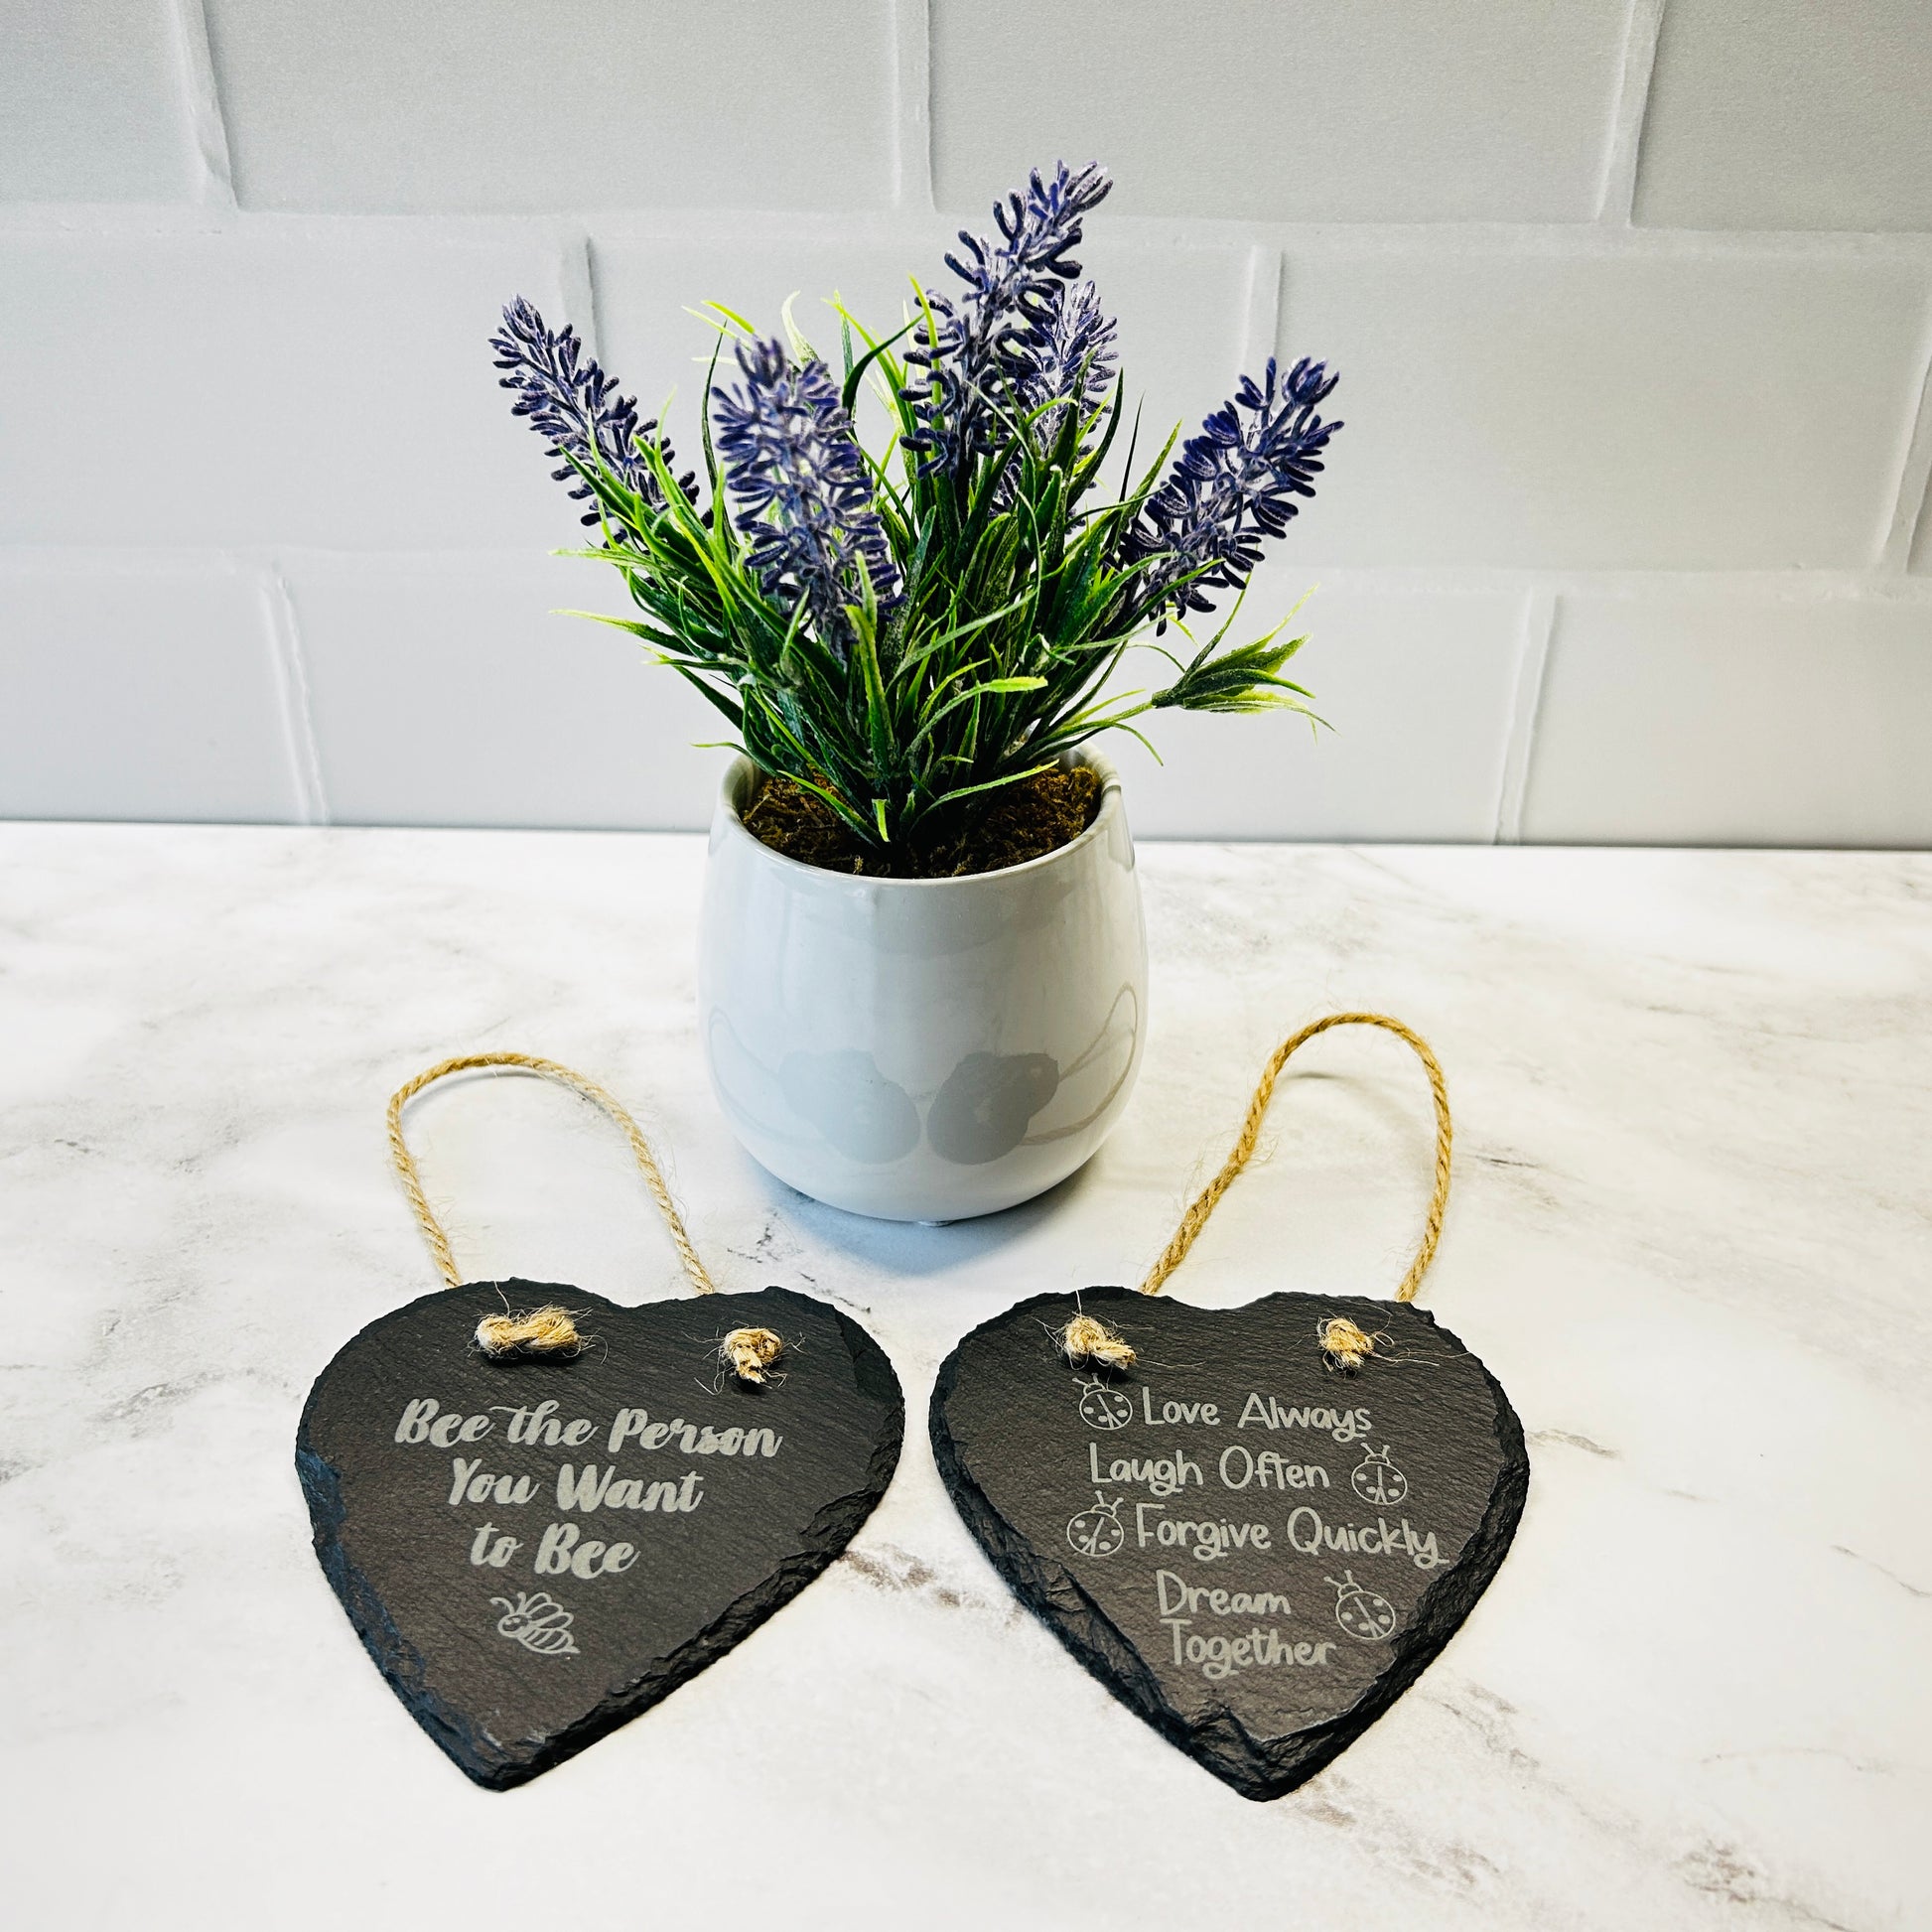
point(1690, 1234)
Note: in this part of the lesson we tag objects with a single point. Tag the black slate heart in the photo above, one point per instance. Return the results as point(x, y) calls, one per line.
point(491, 1584)
point(1254, 1551)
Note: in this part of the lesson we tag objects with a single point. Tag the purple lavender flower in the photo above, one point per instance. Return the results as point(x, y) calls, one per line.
point(1232, 485)
point(802, 487)
point(566, 397)
point(1076, 361)
point(978, 357)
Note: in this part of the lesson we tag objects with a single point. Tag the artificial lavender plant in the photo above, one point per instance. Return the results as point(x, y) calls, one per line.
point(903, 633)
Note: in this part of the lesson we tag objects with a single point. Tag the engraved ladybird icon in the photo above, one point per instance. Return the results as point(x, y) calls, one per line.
point(1365, 1615)
point(1104, 1408)
point(1096, 1532)
point(1377, 1481)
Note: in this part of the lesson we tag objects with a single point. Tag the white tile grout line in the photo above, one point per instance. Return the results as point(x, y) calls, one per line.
point(913, 225)
point(1616, 199)
point(1261, 322)
point(912, 107)
point(1914, 479)
point(292, 682)
point(577, 271)
point(1532, 664)
point(206, 128)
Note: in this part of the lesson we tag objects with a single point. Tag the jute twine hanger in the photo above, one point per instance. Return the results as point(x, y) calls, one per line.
point(1086, 1341)
point(749, 1352)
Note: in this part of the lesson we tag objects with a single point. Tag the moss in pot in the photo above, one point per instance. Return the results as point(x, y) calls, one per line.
point(923, 971)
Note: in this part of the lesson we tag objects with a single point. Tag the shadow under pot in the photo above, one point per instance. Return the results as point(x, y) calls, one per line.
point(923, 1049)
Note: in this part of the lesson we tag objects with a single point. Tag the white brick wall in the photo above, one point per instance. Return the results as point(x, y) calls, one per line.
point(1790, 114)
point(144, 691)
point(92, 102)
point(1744, 719)
point(483, 106)
point(445, 693)
point(1628, 538)
point(323, 385)
point(1621, 408)
point(1323, 110)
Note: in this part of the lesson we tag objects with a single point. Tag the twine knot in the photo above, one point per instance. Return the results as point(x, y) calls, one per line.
point(1086, 1339)
point(1344, 1345)
point(749, 1352)
point(536, 1331)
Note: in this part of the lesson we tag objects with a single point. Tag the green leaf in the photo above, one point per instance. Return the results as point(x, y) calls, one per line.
point(990, 784)
point(730, 315)
point(856, 371)
point(1243, 679)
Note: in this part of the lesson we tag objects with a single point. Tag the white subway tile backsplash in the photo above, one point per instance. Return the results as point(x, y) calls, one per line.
point(91, 105)
point(140, 693)
point(1321, 110)
point(326, 388)
point(487, 105)
point(197, 400)
point(1415, 687)
point(1694, 719)
point(1180, 309)
point(1789, 114)
point(1624, 409)
point(446, 691)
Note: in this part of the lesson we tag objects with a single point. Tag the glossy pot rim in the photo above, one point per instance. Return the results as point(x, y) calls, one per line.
point(740, 771)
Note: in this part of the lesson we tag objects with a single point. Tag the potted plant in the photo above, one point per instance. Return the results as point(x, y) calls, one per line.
point(923, 979)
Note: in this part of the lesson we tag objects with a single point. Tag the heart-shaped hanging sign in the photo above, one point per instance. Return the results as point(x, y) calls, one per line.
point(1255, 1552)
point(534, 1550)
point(1256, 1526)
point(544, 1512)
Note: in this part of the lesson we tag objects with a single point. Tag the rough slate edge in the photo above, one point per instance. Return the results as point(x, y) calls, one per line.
point(1221, 1743)
point(401, 1664)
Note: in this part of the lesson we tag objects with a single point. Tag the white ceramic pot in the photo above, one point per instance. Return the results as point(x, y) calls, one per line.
point(923, 1049)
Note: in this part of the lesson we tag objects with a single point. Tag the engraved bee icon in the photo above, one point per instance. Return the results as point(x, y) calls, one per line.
point(1104, 1408)
point(1096, 1532)
point(1365, 1615)
point(1377, 1481)
point(538, 1622)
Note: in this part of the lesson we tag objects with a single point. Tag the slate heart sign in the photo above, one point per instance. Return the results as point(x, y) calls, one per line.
point(1256, 1553)
point(536, 1550)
